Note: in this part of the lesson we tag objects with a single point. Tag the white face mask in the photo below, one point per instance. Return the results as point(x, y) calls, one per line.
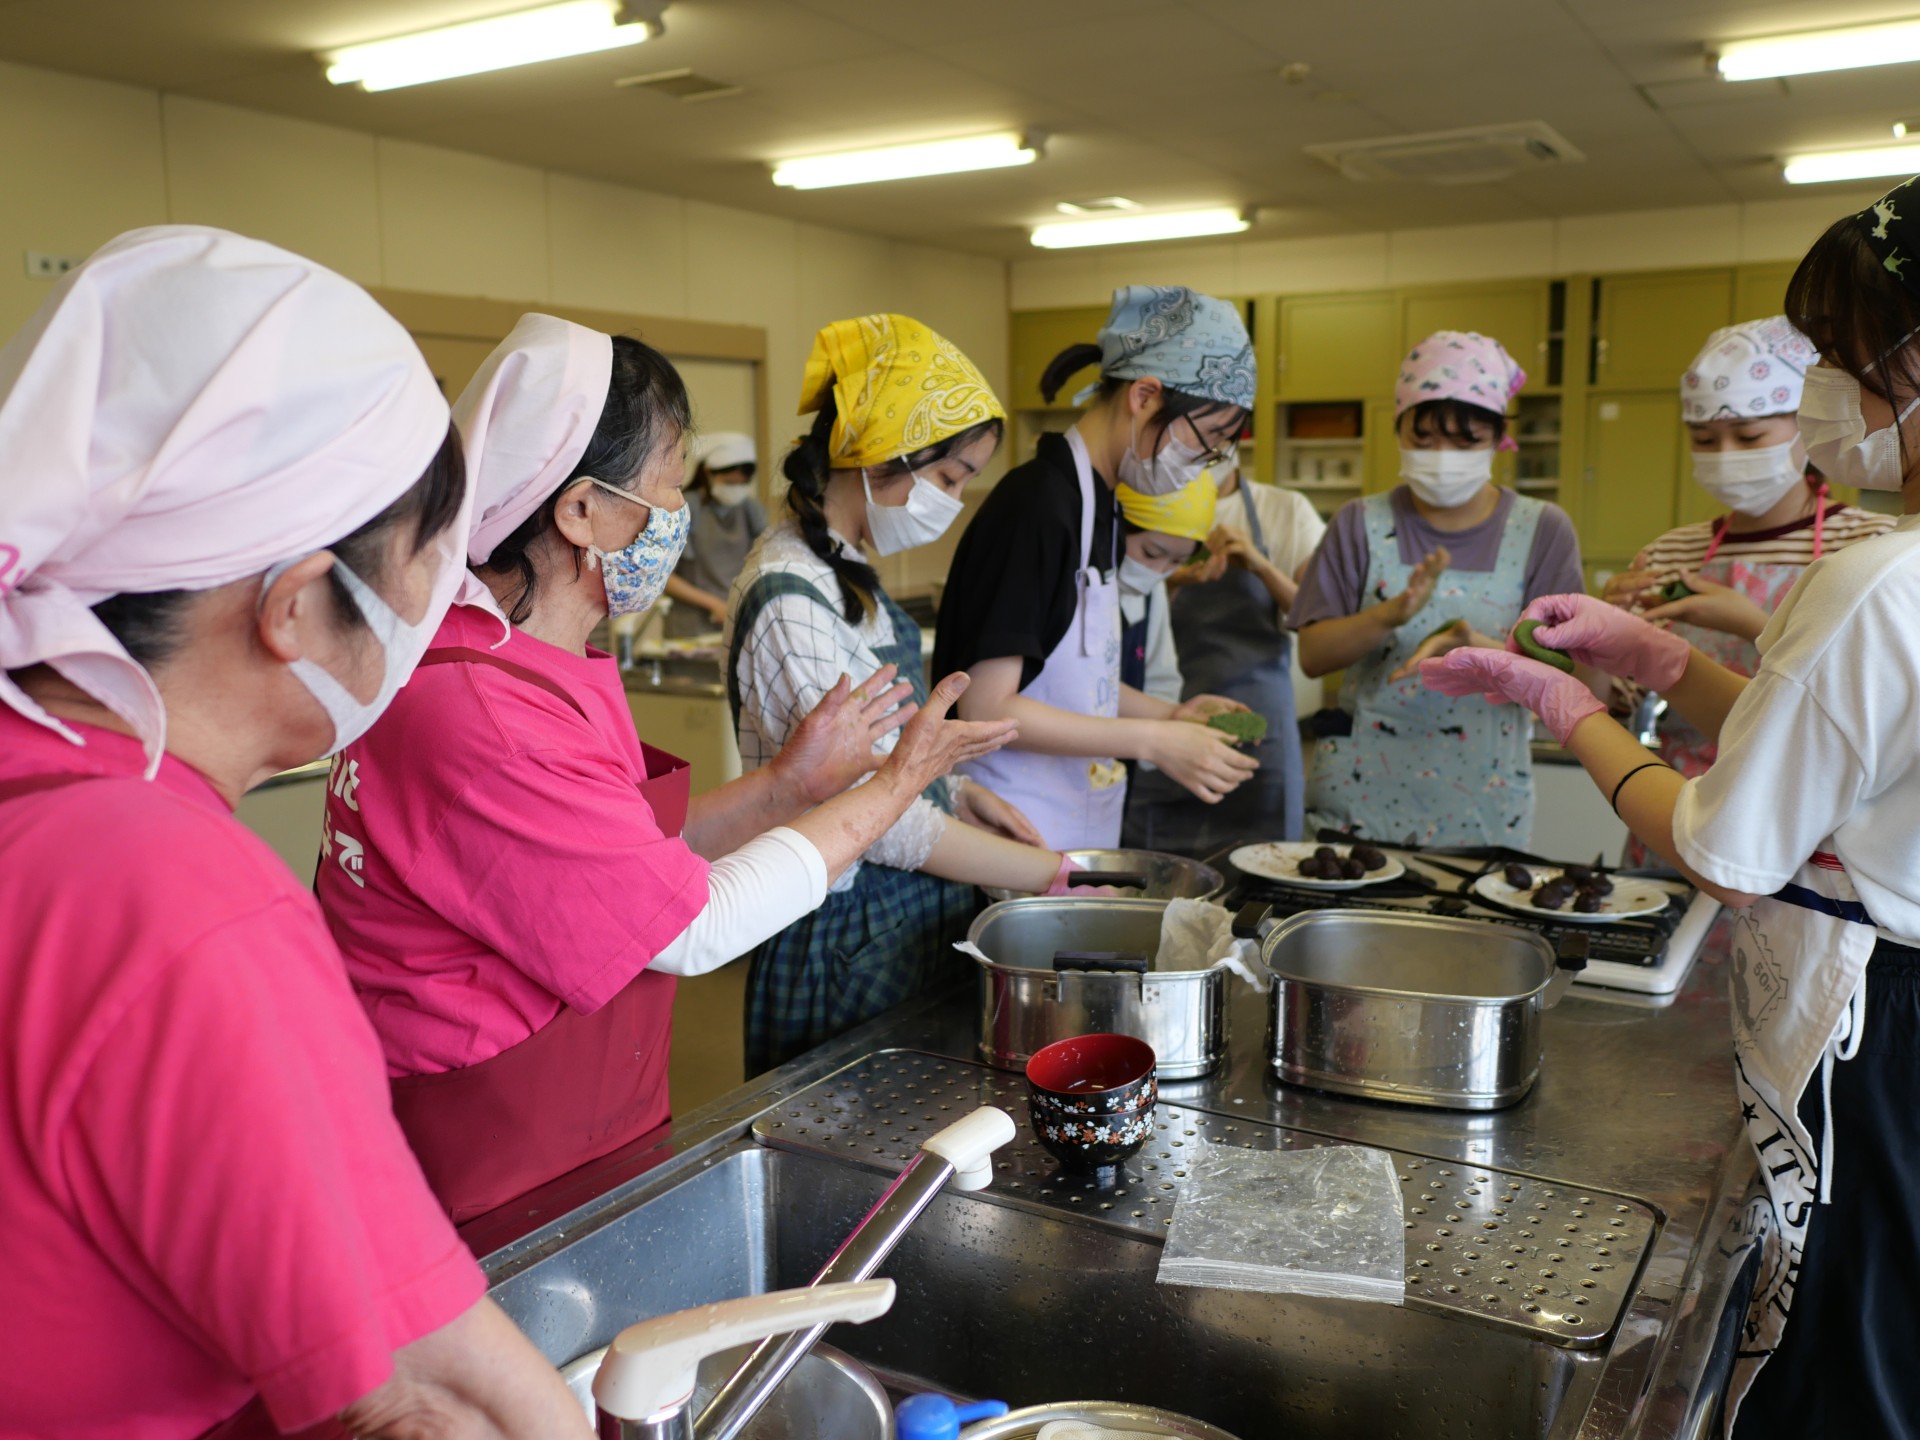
point(1446, 478)
point(1749, 482)
point(923, 519)
point(402, 644)
point(1139, 578)
point(728, 496)
point(1174, 466)
point(1836, 433)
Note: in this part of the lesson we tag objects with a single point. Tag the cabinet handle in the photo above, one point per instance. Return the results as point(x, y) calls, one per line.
point(1600, 351)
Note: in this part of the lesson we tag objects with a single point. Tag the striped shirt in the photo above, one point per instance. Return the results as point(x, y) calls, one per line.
point(1685, 547)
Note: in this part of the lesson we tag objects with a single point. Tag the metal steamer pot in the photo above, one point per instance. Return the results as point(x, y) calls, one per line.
point(1419, 1009)
point(1061, 967)
point(1154, 873)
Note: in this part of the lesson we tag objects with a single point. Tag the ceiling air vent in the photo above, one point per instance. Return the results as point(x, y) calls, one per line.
point(680, 84)
point(1473, 156)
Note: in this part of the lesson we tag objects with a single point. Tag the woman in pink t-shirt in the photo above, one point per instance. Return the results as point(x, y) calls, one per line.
point(514, 878)
point(227, 492)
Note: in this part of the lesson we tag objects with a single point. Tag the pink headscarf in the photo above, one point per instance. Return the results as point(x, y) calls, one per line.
point(188, 408)
point(1459, 365)
point(526, 418)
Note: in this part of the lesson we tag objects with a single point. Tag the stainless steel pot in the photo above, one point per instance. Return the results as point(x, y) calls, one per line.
point(1154, 874)
point(1421, 1009)
point(1059, 967)
point(829, 1396)
point(1144, 1419)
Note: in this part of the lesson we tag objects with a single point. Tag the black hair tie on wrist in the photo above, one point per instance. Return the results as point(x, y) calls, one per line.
point(1650, 765)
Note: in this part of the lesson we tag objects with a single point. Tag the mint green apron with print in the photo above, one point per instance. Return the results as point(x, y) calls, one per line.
point(1422, 768)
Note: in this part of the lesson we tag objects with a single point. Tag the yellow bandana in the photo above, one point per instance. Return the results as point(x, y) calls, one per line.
point(1187, 512)
point(897, 387)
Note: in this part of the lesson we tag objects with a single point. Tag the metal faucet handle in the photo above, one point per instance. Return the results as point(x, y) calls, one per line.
point(650, 1369)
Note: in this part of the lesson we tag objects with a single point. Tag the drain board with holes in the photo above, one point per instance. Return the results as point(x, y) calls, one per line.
point(1551, 1260)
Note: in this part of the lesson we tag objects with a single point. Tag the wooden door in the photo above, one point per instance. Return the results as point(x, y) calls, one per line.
point(1651, 327)
point(1337, 347)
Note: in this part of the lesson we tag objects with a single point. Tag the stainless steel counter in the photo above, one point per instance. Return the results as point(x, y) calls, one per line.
point(1630, 1099)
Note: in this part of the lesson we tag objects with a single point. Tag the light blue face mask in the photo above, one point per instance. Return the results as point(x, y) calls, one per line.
point(636, 575)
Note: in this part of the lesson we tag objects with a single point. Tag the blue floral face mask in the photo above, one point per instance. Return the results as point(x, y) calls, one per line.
point(636, 575)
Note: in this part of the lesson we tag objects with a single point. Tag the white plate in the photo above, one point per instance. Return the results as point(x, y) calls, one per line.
point(1630, 899)
point(1280, 860)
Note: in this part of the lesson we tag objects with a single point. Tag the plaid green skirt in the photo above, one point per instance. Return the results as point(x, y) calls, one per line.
point(885, 939)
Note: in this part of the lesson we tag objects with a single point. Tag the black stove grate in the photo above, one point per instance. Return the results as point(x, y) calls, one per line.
point(1639, 942)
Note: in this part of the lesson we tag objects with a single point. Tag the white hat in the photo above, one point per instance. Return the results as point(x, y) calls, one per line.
point(1755, 368)
point(726, 449)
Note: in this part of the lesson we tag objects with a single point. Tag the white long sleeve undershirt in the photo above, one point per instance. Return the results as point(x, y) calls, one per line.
point(752, 894)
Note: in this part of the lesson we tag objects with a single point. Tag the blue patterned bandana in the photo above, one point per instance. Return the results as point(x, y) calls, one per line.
point(1892, 224)
point(1191, 343)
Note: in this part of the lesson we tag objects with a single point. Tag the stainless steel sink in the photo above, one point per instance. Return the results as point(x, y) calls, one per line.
point(1019, 1302)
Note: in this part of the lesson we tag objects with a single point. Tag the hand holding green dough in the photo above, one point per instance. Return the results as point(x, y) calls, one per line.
point(1675, 589)
point(1242, 725)
point(1534, 650)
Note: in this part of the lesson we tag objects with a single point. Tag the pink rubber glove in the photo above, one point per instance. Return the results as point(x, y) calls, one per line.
point(1560, 701)
point(1608, 638)
point(1059, 886)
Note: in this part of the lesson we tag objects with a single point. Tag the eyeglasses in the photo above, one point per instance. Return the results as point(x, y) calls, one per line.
point(1212, 454)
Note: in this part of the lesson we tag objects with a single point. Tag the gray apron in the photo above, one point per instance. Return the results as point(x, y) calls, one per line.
point(1231, 642)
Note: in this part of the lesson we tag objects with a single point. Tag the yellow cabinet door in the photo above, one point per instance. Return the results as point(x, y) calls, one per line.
point(1035, 337)
point(1634, 445)
point(1761, 290)
point(1651, 326)
point(1383, 448)
point(1337, 347)
point(1513, 314)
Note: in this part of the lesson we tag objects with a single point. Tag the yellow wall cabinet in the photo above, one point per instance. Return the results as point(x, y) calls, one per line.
point(1514, 314)
point(1759, 291)
point(1337, 347)
point(1627, 494)
point(1036, 336)
point(1650, 326)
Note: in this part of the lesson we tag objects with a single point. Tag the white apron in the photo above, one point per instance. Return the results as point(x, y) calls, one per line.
point(1798, 976)
point(1076, 802)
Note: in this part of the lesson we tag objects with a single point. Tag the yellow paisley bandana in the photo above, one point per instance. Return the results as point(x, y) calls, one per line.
point(1187, 512)
point(897, 387)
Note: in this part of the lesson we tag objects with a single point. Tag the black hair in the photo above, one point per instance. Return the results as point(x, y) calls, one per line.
point(807, 469)
point(1173, 403)
point(647, 409)
point(1454, 420)
point(1857, 313)
point(151, 626)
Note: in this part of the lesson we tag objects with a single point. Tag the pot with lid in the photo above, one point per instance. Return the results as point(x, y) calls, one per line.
point(1059, 967)
point(1419, 1009)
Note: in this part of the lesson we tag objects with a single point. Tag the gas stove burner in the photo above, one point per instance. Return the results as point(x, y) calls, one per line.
point(1649, 955)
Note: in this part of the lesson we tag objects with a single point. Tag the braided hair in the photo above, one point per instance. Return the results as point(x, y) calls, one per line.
point(808, 468)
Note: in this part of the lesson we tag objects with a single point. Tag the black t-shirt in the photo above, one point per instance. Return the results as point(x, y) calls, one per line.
point(1011, 590)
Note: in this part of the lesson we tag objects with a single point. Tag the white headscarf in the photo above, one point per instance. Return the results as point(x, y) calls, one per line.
point(188, 408)
point(1758, 367)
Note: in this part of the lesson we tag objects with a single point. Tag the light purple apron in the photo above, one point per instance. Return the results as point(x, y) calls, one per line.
point(1076, 801)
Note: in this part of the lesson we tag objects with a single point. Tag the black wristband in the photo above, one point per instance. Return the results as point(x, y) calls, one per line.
point(1650, 765)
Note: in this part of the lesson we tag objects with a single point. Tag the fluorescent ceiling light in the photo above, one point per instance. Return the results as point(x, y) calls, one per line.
point(578, 27)
point(1853, 164)
point(1131, 229)
point(1813, 51)
point(904, 162)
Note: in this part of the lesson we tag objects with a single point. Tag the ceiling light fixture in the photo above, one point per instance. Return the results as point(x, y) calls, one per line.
point(1813, 51)
point(552, 32)
point(1867, 164)
point(1132, 229)
point(907, 162)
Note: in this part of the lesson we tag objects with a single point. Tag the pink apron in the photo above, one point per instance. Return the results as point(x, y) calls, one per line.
point(1076, 801)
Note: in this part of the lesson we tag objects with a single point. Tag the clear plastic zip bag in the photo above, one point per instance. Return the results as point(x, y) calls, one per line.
point(1322, 1221)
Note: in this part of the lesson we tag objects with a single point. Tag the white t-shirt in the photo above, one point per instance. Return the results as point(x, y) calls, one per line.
point(1288, 522)
point(1825, 740)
